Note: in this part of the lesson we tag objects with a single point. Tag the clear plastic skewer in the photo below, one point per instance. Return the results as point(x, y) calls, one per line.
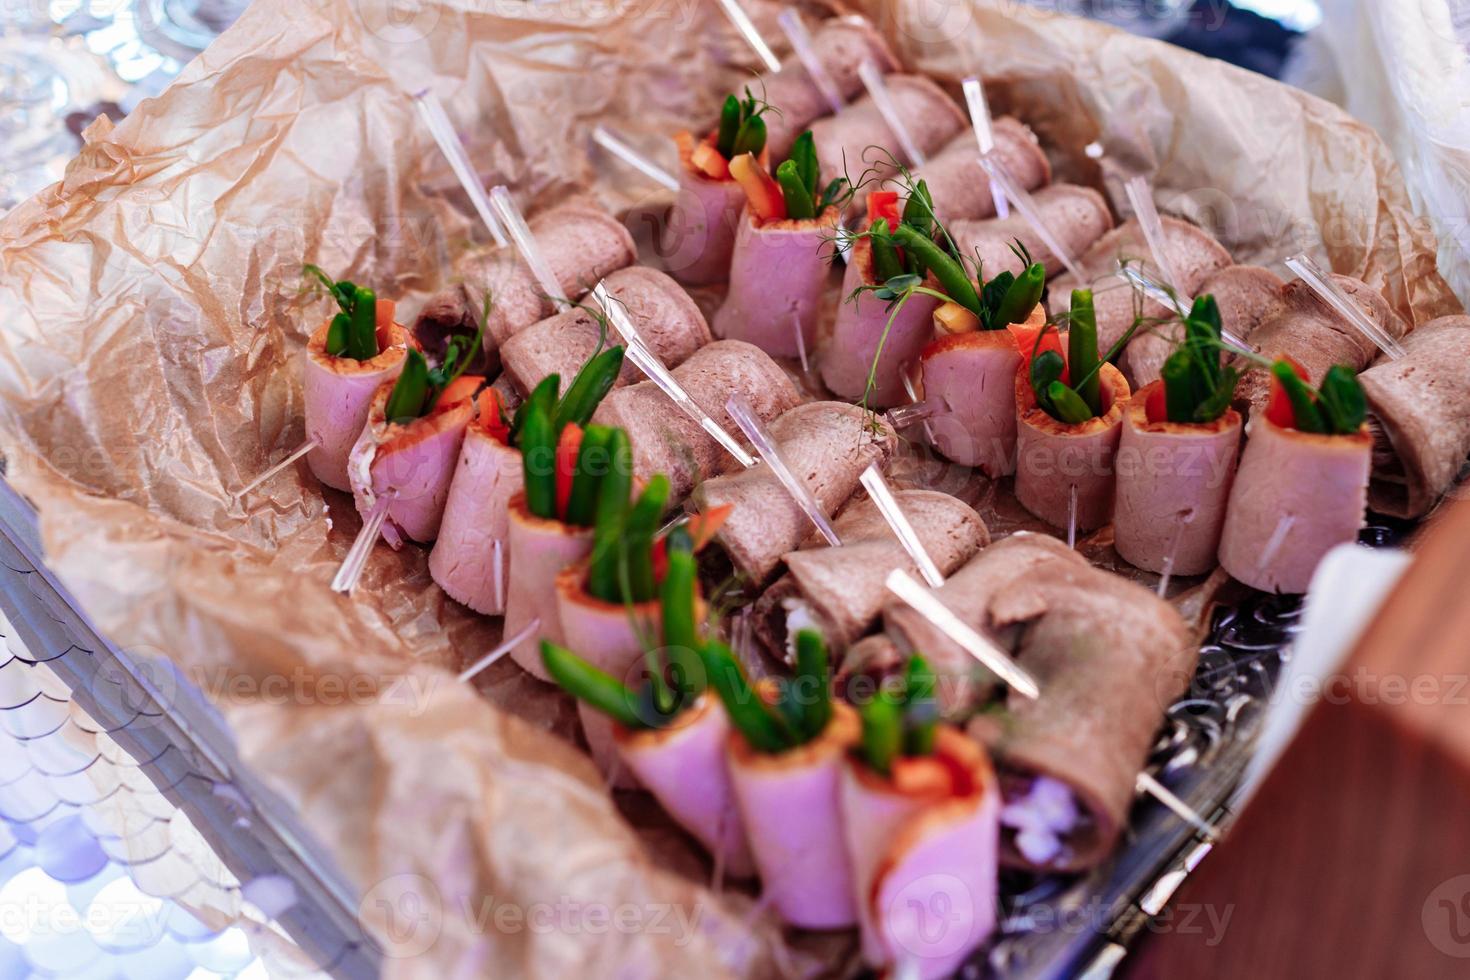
point(887, 503)
point(1173, 555)
point(294, 455)
point(747, 30)
point(346, 578)
point(525, 242)
point(1152, 787)
point(505, 646)
point(1322, 284)
point(1141, 196)
point(1072, 518)
point(984, 137)
point(924, 602)
point(619, 148)
point(646, 361)
point(877, 88)
point(453, 149)
point(770, 454)
point(1171, 300)
point(1026, 204)
point(801, 45)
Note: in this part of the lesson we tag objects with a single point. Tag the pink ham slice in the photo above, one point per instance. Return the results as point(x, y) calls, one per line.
point(539, 549)
point(581, 245)
point(1193, 255)
point(338, 392)
point(916, 851)
point(1417, 408)
point(1172, 484)
point(1307, 330)
point(828, 444)
point(1052, 457)
point(666, 440)
point(862, 320)
point(685, 767)
point(669, 321)
point(413, 462)
point(1246, 295)
point(972, 376)
point(1297, 495)
point(967, 593)
point(611, 637)
point(841, 44)
point(698, 236)
point(791, 806)
point(842, 589)
point(857, 140)
point(471, 557)
point(778, 279)
point(1078, 216)
point(1109, 657)
point(958, 184)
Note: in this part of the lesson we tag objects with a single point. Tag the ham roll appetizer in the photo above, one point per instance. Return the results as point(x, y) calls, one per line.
point(967, 594)
point(783, 251)
point(955, 176)
point(829, 444)
point(1417, 413)
point(1176, 457)
point(348, 359)
point(857, 141)
point(1109, 657)
point(841, 45)
point(1069, 418)
point(666, 440)
point(1311, 334)
point(839, 591)
point(881, 328)
point(580, 244)
point(1302, 487)
point(699, 233)
point(668, 320)
point(1246, 296)
point(670, 732)
point(1193, 254)
point(1078, 216)
point(920, 814)
point(471, 558)
point(787, 750)
point(410, 443)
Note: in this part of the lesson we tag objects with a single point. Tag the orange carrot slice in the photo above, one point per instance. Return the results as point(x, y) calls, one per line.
point(567, 448)
point(761, 189)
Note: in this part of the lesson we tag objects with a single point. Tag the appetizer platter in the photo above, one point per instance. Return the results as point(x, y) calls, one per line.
point(899, 535)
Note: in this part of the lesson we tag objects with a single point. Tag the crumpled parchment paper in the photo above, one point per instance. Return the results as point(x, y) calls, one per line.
point(152, 324)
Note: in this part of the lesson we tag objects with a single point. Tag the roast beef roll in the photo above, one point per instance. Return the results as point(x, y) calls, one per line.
point(778, 278)
point(828, 445)
point(338, 392)
point(1078, 216)
point(1109, 657)
point(955, 177)
point(669, 321)
point(666, 440)
point(858, 141)
point(839, 591)
point(1417, 412)
point(1312, 334)
point(1054, 458)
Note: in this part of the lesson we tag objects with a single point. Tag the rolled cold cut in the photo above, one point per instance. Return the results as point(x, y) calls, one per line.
point(1417, 410)
point(858, 141)
point(666, 440)
point(1078, 216)
point(698, 236)
point(668, 320)
point(827, 444)
point(1296, 496)
point(1173, 480)
point(1054, 459)
point(955, 178)
point(337, 393)
point(471, 556)
point(778, 278)
point(539, 549)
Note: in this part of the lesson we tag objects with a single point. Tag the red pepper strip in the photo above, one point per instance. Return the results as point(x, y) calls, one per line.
point(1025, 336)
point(567, 448)
point(883, 204)
point(490, 418)
point(1156, 408)
point(659, 554)
point(1279, 409)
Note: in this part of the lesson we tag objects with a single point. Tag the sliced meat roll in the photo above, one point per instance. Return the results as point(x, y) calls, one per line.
point(841, 44)
point(670, 322)
point(1419, 416)
point(1078, 216)
point(958, 184)
point(471, 557)
point(666, 440)
point(828, 445)
point(839, 591)
point(778, 279)
point(857, 140)
point(1054, 459)
point(1109, 657)
point(698, 236)
point(337, 392)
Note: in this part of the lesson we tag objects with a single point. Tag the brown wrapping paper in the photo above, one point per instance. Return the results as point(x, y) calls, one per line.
point(150, 367)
